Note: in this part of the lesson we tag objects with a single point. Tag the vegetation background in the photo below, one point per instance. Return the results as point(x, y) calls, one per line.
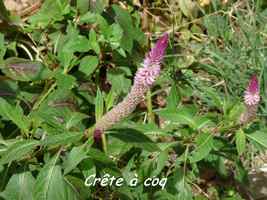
point(63, 64)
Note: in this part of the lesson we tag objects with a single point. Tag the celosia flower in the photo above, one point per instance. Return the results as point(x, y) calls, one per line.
point(251, 100)
point(147, 74)
point(143, 80)
point(252, 95)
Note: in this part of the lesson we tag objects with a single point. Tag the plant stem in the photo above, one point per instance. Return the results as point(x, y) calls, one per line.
point(104, 142)
point(43, 97)
point(151, 116)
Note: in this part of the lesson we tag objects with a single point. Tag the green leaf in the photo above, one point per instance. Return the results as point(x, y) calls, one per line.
point(101, 160)
point(234, 113)
point(114, 35)
point(98, 6)
point(118, 81)
point(123, 17)
point(88, 167)
point(19, 187)
point(2, 47)
point(259, 137)
point(204, 143)
point(77, 183)
point(200, 122)
point(77, 43)
point(174, 98)
point(51, 11)
point(50, 183)
point(164, 195)
point(177, 184)
point(241, 173)
point(161, 162)
point(18, 150)
point(188, 7)
point(93, 41)
point(183, 115)
point(63, 138)
point(65, 81)
point(99, 105)
point(109, 100)
point(240, 141)
point(147, 129)
point(130, 32)
point(15, 114)
point(69, 44)
point(72, 120)
point(25, 70)
point(66, 58)
point(88, 65)
point(76, 155)
point(212, 97)
point(88, 18)
point(217, 26)
point(83, 6)
point(135, 138)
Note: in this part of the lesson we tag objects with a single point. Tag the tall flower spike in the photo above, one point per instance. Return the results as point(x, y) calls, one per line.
point(143, 80)
point(147, 74)
point(252, 93)
point(251, 100)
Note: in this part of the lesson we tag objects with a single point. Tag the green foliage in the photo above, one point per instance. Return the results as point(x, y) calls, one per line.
point(64, 67)
point(240, 141)
point(15, 114)
point(20, 186)
point(25, 70)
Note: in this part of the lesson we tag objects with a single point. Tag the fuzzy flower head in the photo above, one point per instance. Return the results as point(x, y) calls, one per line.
point(252, 93)
point(147, 74)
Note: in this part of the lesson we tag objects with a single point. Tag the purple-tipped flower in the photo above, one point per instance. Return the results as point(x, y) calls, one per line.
point(251, 99)
point(147, 74)
point(252, 93)
point(143, 80)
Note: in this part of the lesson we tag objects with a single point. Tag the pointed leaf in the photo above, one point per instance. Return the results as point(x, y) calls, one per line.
point(15, 114)
point(260, 137)
point(99, 105)
point(135, 138)
point(18, 150)
point(19, 187)
point(240, 141)
point(76, 155)
point(204, 143)
point(63, 138)
point(25, 70)
point(88, 65)
point(50, 183)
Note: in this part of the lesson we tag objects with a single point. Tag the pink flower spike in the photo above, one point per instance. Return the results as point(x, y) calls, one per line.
point(147, 74)
point(252, 93)
point(157, 52)
point(143, 80)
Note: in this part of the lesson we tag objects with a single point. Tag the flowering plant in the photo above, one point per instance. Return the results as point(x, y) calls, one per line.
point(251, 100)
point(143, 80)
